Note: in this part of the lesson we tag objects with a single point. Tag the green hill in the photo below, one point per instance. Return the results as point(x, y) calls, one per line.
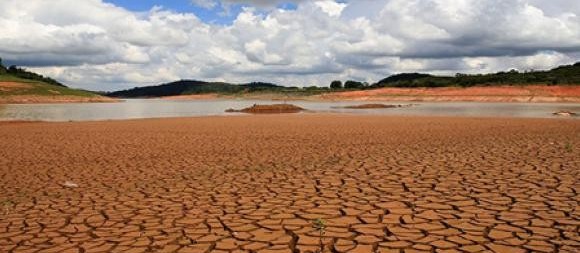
point(37, 88)
point(192, 87)
point(19, 84)
point(563, 75)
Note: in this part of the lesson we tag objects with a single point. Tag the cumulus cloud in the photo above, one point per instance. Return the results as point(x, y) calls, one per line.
point(331, 8)
point(97, 45)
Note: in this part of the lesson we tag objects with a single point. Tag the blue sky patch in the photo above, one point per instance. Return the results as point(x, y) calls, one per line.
point(217, 15)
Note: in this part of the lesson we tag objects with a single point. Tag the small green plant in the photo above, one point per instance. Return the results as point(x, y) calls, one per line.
point(568, 147)
point(320, 225)
point(7, 205)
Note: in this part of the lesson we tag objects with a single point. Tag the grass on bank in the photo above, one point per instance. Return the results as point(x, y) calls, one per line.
point(38, 88)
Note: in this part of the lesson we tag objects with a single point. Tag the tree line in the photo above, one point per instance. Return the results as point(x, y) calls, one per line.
point(563, 75)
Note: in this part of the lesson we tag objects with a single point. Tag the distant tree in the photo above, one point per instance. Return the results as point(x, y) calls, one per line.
point(2, 68)
point(336, 84)
point(353, 85)
point(403, 78)
point(13, 69)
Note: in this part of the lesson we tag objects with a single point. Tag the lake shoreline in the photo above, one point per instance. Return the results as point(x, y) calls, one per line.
point(393, 98)
point(491, 94)
point(316, 98)
point(485, 94)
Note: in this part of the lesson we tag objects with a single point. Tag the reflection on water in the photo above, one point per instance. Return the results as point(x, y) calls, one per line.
point(155, 108)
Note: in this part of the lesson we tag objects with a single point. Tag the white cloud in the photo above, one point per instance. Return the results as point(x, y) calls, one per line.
point(96, 45)
point(541, 60)
point(331, 7)
point(208, 4)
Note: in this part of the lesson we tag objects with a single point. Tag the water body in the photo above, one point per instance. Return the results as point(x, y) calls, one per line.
point(156, 108)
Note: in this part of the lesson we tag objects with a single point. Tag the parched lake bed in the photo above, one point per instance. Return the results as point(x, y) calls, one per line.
point(256, 184)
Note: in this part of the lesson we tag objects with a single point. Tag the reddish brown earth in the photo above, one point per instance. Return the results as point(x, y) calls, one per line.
point(10, 86)
point(534, 93)
point(256, 183)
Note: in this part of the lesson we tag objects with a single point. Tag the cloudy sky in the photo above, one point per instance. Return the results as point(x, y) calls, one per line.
point(116, 44)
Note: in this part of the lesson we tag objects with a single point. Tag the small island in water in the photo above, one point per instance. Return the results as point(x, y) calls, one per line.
point(269, 109)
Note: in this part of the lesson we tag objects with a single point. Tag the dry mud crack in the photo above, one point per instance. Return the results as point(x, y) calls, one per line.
point(255, 184)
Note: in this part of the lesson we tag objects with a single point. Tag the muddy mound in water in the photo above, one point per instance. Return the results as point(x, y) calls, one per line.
point(565, 114)
point(374, 106)
point(269, 109)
